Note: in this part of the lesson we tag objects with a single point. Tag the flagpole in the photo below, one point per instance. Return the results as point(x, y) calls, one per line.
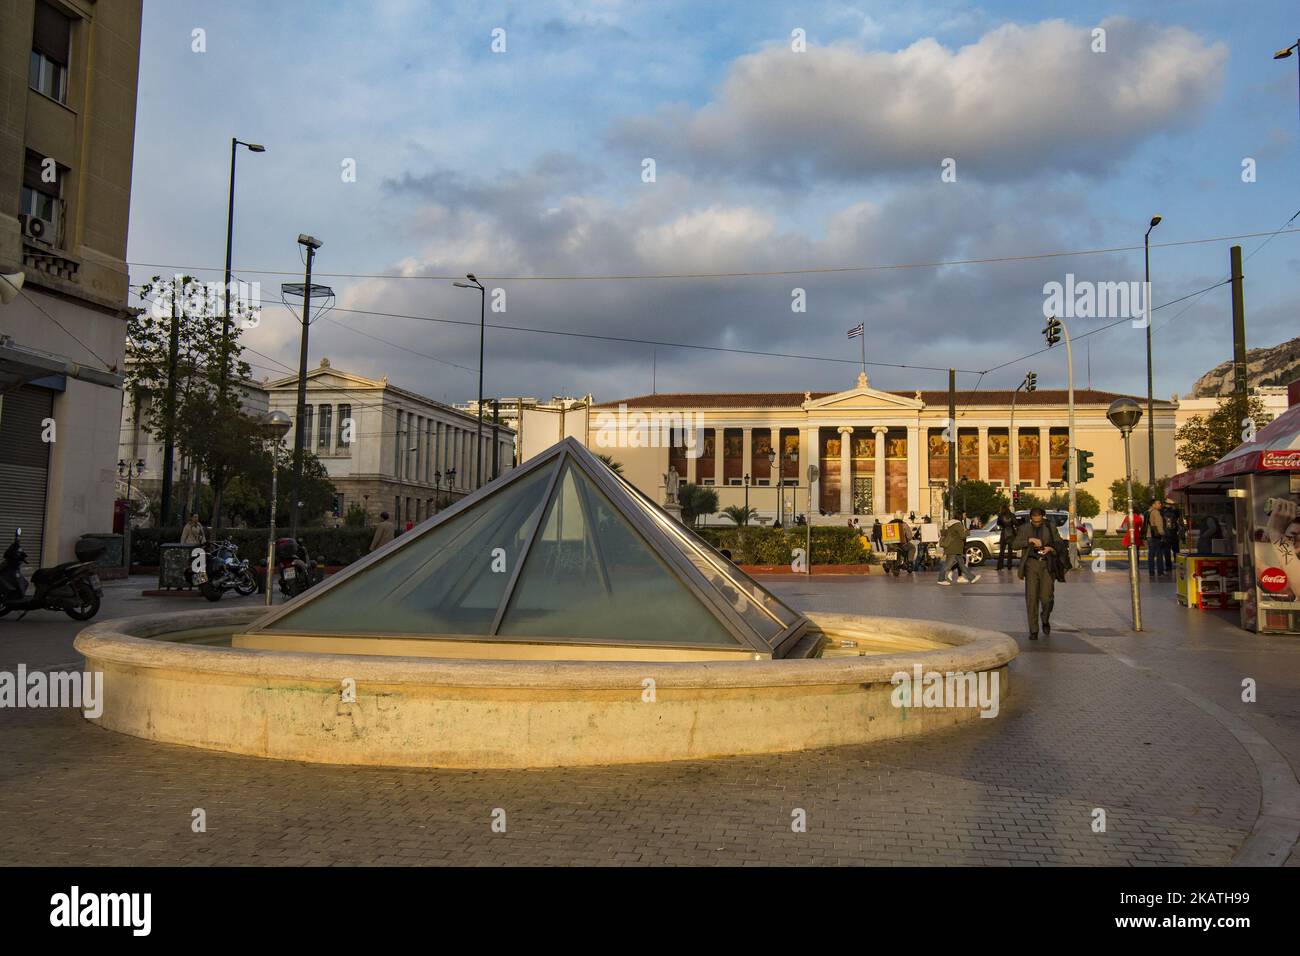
point(863, 337)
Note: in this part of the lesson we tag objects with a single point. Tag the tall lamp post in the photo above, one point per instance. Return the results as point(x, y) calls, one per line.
point(1124, 414)
point(482, 319)
point(230, 236)
point(1283, 54)
point(273, 427)
point(1030, 384)
point(1151, 413)
point(129, 471)
point(306, 290)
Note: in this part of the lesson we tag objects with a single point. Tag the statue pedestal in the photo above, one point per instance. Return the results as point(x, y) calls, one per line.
point(674, 510)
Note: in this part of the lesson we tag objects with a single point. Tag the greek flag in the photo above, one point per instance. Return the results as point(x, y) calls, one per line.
point(857, 330)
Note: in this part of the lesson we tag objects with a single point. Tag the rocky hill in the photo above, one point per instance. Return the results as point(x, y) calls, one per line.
point(1278, 365)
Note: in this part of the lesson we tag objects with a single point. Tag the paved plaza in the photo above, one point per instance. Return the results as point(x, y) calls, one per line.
point(1149, 728)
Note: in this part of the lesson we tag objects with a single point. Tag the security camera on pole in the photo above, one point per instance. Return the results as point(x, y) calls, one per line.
point(1053, 332)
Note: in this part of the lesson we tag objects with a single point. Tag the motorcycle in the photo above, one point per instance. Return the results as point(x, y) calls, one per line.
point(72, 588)
point(226, 572)
point(297, 571)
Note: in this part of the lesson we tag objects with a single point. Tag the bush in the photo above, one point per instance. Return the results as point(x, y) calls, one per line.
point(335, 546)
point(751, 545)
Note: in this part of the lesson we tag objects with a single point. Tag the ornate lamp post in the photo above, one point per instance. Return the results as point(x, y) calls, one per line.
point(1124, 414)
point(273, 427)
point(771, 461)
point(746, 498)
point(129, 471)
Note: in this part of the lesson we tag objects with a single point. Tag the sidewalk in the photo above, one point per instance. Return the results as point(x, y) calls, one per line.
point(1098, 719)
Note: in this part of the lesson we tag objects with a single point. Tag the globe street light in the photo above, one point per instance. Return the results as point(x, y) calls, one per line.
point(273, 427)
point(1124, 414)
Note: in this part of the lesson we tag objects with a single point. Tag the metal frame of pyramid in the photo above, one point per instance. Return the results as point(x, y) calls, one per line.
point(678, 548)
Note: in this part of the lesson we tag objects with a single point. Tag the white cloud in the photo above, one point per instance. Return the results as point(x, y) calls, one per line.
point(1019, 100)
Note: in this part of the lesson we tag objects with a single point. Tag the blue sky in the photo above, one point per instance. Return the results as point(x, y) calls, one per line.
point(528, 162)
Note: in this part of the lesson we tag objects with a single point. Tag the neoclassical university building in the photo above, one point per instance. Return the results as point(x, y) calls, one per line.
point(878, 453)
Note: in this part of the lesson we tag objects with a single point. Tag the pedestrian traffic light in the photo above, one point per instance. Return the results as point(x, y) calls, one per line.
point(1015, 499)
point(1052, 331)
point(1085, 464)
point(1031, 382)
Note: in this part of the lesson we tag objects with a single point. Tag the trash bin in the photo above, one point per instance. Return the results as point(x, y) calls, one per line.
point(173, 561)
point(106, 549)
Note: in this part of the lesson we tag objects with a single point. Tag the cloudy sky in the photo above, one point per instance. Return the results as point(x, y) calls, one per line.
point(823, 164)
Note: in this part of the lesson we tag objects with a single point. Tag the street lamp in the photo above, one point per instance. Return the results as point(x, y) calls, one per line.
point(273, 427)
point(129, 471)
point(1283, 54)
point(11, 283)
point(482, 317)
point(1151, 413)
point(437, 489)
point(1030, 384)
point(1124, 414)
point(746, 498)
point(230, 236)
point(306, 290)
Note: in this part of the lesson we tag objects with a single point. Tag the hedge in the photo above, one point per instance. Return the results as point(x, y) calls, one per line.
point(336, 546)
point(757, 545)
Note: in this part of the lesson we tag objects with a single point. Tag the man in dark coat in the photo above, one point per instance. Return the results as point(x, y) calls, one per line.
point(1007, 525)
point(1038, 538)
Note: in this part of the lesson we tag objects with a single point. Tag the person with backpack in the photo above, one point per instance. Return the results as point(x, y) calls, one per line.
point(1040, 568)
point(953, 541)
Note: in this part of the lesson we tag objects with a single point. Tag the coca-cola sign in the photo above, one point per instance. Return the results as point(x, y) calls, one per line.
point(1280, 460)
point(1272, 579)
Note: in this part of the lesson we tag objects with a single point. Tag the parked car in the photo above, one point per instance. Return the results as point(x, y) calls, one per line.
point(983, 543)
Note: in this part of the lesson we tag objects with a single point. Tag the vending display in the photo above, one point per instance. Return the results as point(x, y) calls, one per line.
point(1270, 565)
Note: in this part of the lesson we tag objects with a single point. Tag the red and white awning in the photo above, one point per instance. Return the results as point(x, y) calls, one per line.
point(1276, 447)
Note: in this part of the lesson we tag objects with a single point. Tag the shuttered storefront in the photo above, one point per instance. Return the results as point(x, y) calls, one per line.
point(24, 466)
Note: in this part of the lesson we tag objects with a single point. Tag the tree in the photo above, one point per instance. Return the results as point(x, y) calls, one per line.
point(696, 501)
point(739, 514)
point(355, 517)
point(1085, 502)
point(203, 417)
point(1143, 494)
point(615, 466)
point(247, 492)
point(978, 499)
point(1204, 439)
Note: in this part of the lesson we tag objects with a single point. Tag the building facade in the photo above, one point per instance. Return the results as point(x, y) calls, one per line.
point(389, 449)
point(877, 453)
point(68, 75)
point(537, 424)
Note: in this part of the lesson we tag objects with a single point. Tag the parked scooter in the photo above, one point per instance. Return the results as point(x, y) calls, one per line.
point(226, 572)
point(297, 571)
point(72, 588)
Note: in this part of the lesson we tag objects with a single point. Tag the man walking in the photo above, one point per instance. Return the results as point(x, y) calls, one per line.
point(383, 532)
point(1038, 539)
point(953, 542)
point(1007, 525)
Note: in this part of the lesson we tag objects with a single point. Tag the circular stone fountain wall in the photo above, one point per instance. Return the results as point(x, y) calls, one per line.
point(422, 712)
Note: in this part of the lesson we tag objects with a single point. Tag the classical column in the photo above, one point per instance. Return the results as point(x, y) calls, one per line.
point(808, 455)
point(915, 462)
point(719, 436)
point(984, 452)
point(846, 469)
point(879, 502)
point(1044, 456)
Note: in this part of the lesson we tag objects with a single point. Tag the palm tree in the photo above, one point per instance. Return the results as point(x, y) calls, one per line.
point(614, 466)
point(739, 514)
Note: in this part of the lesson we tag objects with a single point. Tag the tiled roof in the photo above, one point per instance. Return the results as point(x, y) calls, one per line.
point(932, 397)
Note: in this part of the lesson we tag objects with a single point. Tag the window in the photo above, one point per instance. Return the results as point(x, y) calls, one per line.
point(47, 70)
point(326, 427)
point(344, 438)
point(40, 197)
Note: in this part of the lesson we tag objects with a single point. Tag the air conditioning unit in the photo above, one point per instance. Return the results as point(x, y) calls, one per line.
point(37, 229)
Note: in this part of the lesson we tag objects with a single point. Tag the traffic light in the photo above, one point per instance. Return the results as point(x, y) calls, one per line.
point(1052, 331)
point(1015, 499)
point(1031, 382)
point(1085, 464)
point(1065, 470)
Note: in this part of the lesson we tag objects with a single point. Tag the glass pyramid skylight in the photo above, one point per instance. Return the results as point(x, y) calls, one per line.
point(558, 551)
